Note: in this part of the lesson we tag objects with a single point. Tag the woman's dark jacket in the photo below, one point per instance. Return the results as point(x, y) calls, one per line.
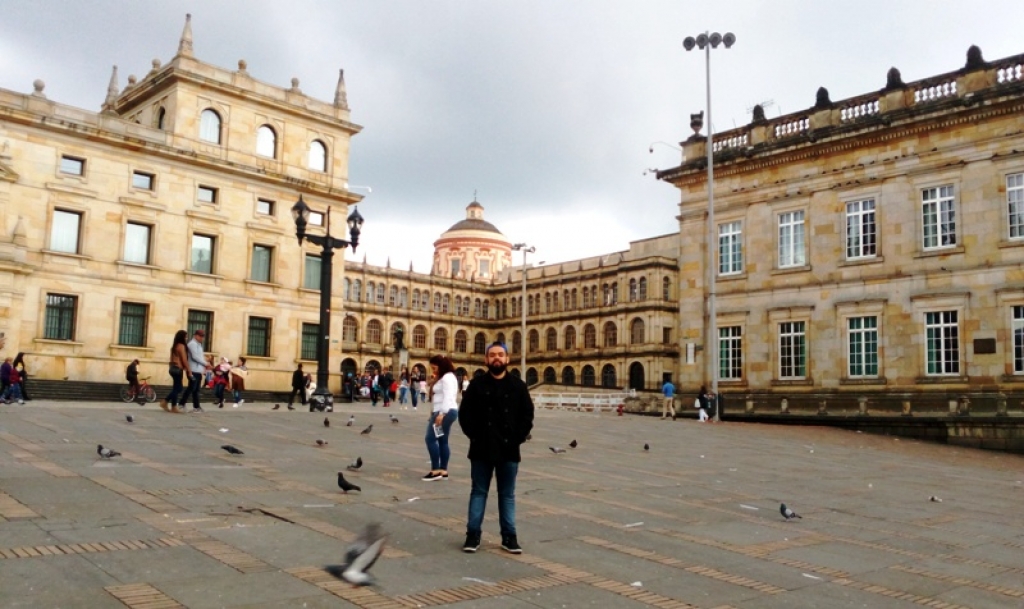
point(496, 415)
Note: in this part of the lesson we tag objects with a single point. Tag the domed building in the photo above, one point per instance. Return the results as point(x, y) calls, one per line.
point(472, 249)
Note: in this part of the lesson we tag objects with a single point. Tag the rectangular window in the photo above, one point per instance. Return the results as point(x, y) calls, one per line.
point(791, 239)
point(316, 218)
point(456, 267)
point(265, 206)
point(262, 257)
point(1018, 339)
point(485, 267)
point(938, 217)
point(730, 353)
point(259, 337)
point(792, 350)
point(311, 272)
point(132, 330)
point(666, 335)
point(730, 248)
point(943, 342)
point(1015, 204)
point(206, 194)
point(72, 166)
point(862, 346)
point(310, 336)
point(142, 180)
point(860, 229)
point(65, 232)
point(202, 253)
point(59, 323)
point(201, 320)
point(136, 243)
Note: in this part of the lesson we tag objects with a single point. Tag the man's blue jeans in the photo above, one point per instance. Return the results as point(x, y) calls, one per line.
point(480, 473)
point(194, 383)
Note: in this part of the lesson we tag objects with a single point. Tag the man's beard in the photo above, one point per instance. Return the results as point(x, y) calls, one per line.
point(497, 368)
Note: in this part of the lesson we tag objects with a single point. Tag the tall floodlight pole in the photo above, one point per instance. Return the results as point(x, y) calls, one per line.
point(522, 247)
point(706, 42)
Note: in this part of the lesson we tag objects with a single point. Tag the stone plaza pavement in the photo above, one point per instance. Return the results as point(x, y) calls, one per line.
point(694, 522)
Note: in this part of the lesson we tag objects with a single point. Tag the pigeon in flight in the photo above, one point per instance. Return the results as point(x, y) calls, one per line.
point(129, 418)
point(556, 450)
point(647, 447)
point(231, 449)
point(345, 485)
point(393, 418)
point(355, 465)
point(367, 431)
point(360, 556)
point(321, 443)
point(327, 422)
point(787, 513)
point(351, 420)
point(574, 443)
point(106, 453)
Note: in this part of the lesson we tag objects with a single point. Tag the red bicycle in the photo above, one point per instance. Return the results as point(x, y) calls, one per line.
point(145, 392)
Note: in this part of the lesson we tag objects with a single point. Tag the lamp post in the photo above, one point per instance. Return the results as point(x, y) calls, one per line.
point(706, 42)
point(522, 247)
point(322, 399)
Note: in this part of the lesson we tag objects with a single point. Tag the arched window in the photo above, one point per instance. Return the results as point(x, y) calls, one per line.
point(517, 342)
point(636, 331)
point(346, 292)
point(587, 378)
point(531, 376)
point(458, 304)
point(611, 334)
point(348, 367)
point(586, 298)
point(501, 338)
point(425, 301)
point(534, 341)
point(209, 126)
point(476, 308)
point(419, 337)
point(161, 117)
point(437, 302)
point(547, 302)
point(666, 289)
point(266, 142)
point(589, 336)
point(415, 299)
point(504, 309)
point(570, 337)
point(441, 340)
point(515, 308)
point(317, 156)
point(393, 295)
point(615, 293)
point(394, 329)
point(479, 343)
point(380, 293)
point(350, 330)
point(565, 299)
point(465, 306)
point(461, 338)
point(636, 375)
point(371, 290)
point(403, 298)
point(486, 313)
point(446, 303)
point(632, 290)
point(373, 332)
point(573, 303)
point(551, 340)
point(642, 295)
point(568, 376)
point(357, 291)
point(608, 376)
point(550, 376)
point(607, 295)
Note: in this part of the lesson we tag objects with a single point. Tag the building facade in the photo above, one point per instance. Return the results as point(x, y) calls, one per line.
point(892, 269)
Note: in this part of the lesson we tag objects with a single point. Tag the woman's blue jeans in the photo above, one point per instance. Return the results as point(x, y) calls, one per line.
point(438, 447)
point(177, 386)
point(480, 473)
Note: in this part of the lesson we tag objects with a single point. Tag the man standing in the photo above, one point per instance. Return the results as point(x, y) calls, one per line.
point(385, 380)
point(669, 405)
point(197, 368)
point(298, 387)
point(496, 415)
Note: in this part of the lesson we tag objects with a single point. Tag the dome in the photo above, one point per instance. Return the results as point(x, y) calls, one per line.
point(472, 248)
point(474, 221)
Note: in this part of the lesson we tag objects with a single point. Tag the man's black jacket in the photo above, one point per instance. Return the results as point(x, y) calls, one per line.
point(496, 415)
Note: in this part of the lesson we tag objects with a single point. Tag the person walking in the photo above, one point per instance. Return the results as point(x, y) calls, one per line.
point(5, 374)
point(131, 374)
point(403, 390)
point(197, 367)
point(703, 404)
point(176, 368)
point(443, 414)
point(497, 416)
point(298, 387)
point(669, 403)
point(384, 381)
point(238, 375)
point(19, 365)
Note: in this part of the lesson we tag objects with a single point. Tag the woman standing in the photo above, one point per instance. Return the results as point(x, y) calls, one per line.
point(220, 380)
point(177, 367)
point(443, 390)
point(19, 365)
point(238, 375)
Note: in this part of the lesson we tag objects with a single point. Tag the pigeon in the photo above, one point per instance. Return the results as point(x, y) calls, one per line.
point(321, 442)
point(787, 513)
point(106, 453)
point(366, 431)
point(345, 485)
point(647, 447)
point(574, 443)
point(556, 450)
point(276, 406)
point(351, 420)
point(129, 418)
point(231, 449)
point(327, 422)
point(360, 556)
point(355, 465)
point(393, 418)
point(934, 499)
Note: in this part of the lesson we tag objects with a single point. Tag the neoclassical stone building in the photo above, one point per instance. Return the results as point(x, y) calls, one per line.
point(870, 247)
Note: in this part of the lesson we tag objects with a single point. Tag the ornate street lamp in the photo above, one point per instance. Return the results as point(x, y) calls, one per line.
point(322, 399)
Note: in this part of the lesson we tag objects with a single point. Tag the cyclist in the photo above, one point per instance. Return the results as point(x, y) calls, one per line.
point(132, 375)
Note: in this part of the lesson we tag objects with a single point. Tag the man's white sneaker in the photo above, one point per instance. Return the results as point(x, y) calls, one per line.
point(235, 405)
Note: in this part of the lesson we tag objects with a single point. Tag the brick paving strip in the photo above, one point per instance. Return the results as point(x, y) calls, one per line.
point(142, 596)
point(12, 509)
point(960, 581)
point(88, 548)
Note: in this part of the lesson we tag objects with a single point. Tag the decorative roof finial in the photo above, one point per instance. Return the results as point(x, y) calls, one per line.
point(185, 44)
point(340, 96)
point(37, 88)
point(108, 103)
point(243, 66)
point(697, 123)
point(295, 86)
point(974, 59)
point(759, 114)
point(893, 80)
point(821, 99)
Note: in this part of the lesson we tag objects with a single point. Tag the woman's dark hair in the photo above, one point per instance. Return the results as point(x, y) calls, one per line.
point(703, 389)
point(181, 336)
point(444, 365)
point(19, 359)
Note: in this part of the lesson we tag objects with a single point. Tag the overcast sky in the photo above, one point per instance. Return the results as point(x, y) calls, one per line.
point(546, 108)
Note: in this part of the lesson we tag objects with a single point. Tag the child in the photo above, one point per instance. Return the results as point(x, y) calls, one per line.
point(13, 391)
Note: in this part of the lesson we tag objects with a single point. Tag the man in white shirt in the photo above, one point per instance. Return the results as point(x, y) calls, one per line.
point(197, 368)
